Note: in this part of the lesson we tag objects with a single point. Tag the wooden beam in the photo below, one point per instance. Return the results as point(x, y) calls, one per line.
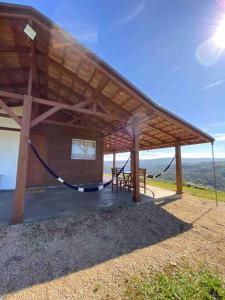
point(30, 79)
point(11, 95)
point(82, 103)
point(8, 48)
point(135, 164)
point(9, 129)
point(96, 92)
point(22, 59)
point(10, 112)
point(18, 205)
point(100, 87)
point(88, 82)
point(13, 70)
point(5, 116)
point(178, 168)
point(35, 71)
point(44, 116)
point(79, 97)
point(74, 108)
point(92, 128)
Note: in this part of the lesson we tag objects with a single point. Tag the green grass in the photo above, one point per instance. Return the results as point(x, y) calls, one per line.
point(199, 192)
point(178, 283)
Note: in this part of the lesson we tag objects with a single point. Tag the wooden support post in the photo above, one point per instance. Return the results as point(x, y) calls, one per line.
point(178, 169)
point(131, 161)
point(103, 161)
point(114, 160)
point(135, 164)
point(18, 205)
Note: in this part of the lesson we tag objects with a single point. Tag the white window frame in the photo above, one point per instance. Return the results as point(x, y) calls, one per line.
point(85, 155)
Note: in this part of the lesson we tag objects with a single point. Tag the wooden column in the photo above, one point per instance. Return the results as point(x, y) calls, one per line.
point(131, 161)
point(135, 164)
point(114, 160)
point(18, 205)
point(103, 161)
point(178, 169)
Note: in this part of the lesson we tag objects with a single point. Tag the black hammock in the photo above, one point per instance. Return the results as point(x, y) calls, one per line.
point(159, 174)
point(74, 187)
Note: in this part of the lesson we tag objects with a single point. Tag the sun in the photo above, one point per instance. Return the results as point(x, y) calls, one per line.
point(219, 36)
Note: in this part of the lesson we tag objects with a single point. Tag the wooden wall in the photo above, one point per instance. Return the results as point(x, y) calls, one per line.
point(54, 145)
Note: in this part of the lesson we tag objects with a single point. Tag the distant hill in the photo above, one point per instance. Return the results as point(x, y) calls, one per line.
point(195, 170)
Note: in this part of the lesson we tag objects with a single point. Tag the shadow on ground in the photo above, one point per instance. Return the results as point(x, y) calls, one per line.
point(44, 250)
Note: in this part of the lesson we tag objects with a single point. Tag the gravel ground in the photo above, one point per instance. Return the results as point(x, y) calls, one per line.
point(90, 257)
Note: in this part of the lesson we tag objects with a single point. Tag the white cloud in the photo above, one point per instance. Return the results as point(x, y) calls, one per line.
point(133, 14)
point(129, 16)
point(220, 137)
point(214, 84)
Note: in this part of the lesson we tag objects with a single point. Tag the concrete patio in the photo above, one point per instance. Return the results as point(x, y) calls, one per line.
point(41, 203)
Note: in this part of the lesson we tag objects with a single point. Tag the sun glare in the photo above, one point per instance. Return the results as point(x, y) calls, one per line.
point(219, 37)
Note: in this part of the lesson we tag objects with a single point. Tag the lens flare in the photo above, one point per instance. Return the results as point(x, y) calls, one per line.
point(211, 50)
point(219, 37)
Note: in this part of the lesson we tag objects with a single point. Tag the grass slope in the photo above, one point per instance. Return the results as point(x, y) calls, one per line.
point(199, 192)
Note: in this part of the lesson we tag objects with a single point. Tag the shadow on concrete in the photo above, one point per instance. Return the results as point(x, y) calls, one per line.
point(44, 250)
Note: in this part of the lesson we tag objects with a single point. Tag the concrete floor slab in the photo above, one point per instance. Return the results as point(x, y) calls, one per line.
point(41, 203)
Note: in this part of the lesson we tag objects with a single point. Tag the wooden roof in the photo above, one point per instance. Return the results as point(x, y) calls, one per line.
point(68, 72)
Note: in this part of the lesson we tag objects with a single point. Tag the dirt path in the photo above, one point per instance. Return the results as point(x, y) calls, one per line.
point(91, 257)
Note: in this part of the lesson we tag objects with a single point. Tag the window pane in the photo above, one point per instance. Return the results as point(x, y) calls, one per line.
point(83, 149)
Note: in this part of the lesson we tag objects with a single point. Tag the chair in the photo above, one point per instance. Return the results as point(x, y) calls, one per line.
point(142, 180)
point(118, 181)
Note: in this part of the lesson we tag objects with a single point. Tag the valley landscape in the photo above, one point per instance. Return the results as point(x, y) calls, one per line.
point(196, 171)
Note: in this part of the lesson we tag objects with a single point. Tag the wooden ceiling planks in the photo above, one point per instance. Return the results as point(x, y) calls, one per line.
point(69, 73)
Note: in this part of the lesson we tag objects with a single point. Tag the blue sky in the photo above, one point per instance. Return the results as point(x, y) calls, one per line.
point(164, 47)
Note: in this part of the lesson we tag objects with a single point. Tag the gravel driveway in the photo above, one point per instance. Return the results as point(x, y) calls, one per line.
point(66, 258)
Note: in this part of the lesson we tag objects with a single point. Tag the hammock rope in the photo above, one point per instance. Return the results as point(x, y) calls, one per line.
point(164, 171)
point(214, 174)
point(74, 187)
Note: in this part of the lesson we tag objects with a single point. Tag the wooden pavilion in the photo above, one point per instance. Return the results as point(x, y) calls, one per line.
point(67, 92)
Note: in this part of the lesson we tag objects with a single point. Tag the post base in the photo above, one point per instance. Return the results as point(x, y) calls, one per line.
point(16, 220)
point(179, 193)
point(136, 200)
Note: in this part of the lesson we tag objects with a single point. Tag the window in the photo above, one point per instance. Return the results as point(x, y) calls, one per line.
point(83, 149)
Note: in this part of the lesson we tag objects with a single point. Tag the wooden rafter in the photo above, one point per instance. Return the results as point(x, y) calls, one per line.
point(114, 106)
point(100, 87)
point(44, 116)
point(70, 91)
point(10, 112)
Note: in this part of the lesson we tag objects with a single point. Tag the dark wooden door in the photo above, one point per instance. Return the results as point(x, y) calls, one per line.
point(36, 173)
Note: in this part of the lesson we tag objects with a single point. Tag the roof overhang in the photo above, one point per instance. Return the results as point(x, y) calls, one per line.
point(69, 73)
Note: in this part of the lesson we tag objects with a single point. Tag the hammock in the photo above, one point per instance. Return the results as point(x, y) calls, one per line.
point(157, 175)
point(74, 187)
